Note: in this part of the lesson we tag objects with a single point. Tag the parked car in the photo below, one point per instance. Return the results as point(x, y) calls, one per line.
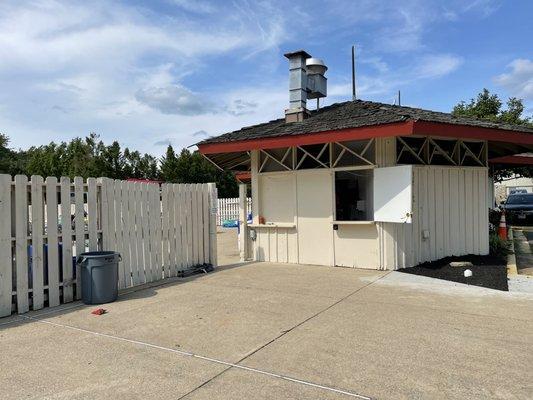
point(517, 191)
point(519, 208)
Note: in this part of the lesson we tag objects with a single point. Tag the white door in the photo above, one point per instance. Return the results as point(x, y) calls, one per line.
point(315, 213)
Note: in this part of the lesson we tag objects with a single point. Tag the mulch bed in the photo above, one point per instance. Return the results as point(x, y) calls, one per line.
point(487, 271)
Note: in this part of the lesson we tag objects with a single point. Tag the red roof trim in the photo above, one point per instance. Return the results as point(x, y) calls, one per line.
point(425, 128)
point(517, 160)
point(339, 135)
point(243, 176)
point(422, 128)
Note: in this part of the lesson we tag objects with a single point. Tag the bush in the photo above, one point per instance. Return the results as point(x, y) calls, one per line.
point(494, 218)
point(498, 247)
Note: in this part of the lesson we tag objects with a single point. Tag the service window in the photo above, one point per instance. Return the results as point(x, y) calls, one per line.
point(353, 195)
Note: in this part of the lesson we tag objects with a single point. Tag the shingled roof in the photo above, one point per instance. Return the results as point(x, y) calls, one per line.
point(354, 114)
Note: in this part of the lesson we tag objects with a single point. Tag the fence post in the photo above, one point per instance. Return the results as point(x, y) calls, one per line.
point(79, 227)
point(212, 224)
point(66, 239)
point(37, 242)
point(103, 213)
point(92, 210)
point(21, 242)
point(6, 274)
point(53, 241)
point(243, 223)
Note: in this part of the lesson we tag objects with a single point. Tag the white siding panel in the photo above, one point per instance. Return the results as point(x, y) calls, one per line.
point(315, 208)
point(431, 215)
point(462, 212)
point(449, 218)
point(446, 202)
point(454, 213)
point(439, 213)
point(276, 244)
point(423, 211)
point(469, 215)
point(450, 204)
point(415, 225)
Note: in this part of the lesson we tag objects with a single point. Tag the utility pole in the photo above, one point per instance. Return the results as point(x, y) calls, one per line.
point(354, 97)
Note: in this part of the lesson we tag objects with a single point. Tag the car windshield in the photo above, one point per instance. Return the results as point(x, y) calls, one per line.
point(520, 199)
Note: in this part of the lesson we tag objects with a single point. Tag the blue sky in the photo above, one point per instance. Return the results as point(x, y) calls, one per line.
point(175, 71)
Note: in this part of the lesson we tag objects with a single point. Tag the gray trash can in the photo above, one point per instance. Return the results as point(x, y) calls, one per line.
point(99, 276)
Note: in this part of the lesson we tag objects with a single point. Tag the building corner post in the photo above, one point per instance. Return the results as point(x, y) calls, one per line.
point(243, 223)
point(213, 198)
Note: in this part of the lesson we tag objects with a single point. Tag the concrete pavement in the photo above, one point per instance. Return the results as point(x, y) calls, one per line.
point(279, 331)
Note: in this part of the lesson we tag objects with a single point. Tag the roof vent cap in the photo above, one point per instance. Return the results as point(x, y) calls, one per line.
point(317, 83)
point(315, 66)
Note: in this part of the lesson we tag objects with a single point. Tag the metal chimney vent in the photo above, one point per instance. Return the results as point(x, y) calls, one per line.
point(317, 83)
point(306, 81)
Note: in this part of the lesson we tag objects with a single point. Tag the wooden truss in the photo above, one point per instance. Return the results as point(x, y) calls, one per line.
point(427, 151)
point(325, 155)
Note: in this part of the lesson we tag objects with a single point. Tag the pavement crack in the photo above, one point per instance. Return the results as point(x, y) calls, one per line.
point(283, 333)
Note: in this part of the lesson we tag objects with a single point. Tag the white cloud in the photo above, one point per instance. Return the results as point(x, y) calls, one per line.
point(71, 67)
point(196, 6)
point(241, 107)
point(398, 26)
point(387, 82)
point(483, 7)
point(174, 99)
point(433, 66)
point(163, 142)
point(200, 133)
point(519, 81)
point(134, 74)
point(51, 35)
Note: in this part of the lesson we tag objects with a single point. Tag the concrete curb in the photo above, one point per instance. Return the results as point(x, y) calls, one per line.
point(511, 257)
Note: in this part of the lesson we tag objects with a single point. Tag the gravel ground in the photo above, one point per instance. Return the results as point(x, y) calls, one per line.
point(489, 272)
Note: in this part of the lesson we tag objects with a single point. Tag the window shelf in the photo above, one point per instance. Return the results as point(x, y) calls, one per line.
point(353, 222)
point(273, 225)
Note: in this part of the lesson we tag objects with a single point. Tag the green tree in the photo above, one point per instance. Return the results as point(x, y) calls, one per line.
point(110, 161)
point(11, 162)
point(192, 167)
point(90, 157)
point(137, 166)
point(168, 166)
point(47, 160)
point(489, 106)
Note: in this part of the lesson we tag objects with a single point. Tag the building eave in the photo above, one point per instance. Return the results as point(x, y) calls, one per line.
point(339, 135)
point(419, 128)
point(426, 128)
point(512, 160)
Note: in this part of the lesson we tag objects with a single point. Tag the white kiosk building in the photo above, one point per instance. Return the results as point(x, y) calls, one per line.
point(365, 184)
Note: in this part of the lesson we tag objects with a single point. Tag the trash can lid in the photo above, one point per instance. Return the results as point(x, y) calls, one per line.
point(98, 254)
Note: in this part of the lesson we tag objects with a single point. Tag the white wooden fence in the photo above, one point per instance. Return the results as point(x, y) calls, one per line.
point(228, 208)
point(160, 231)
